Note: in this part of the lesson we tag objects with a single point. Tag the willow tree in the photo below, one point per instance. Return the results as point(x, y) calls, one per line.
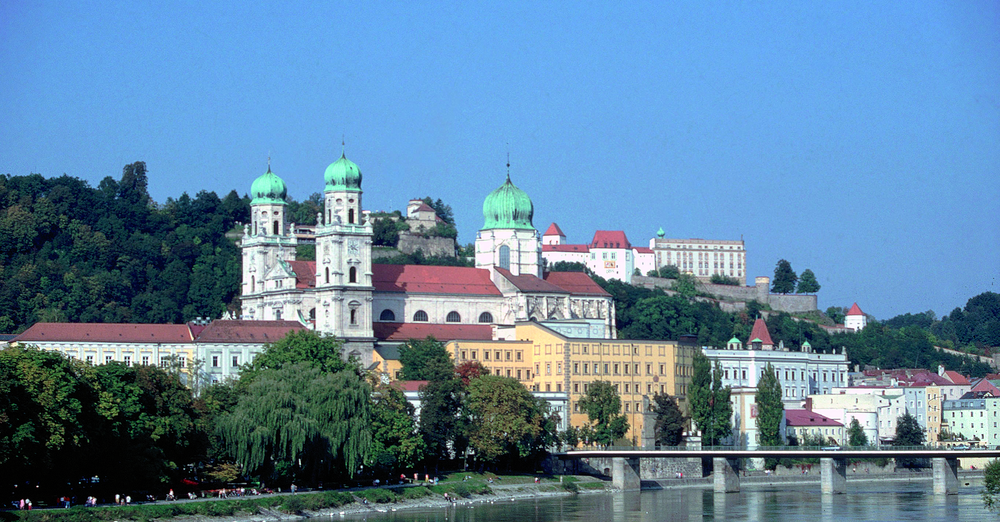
point(300, 422)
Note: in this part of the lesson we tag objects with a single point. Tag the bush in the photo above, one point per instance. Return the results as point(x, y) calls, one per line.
point(570, 486)
point(292, 504)
point(462, 490)
point(379, 496)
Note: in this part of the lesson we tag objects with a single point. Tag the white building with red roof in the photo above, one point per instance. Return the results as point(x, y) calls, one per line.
point(212, 352)
point(609, 254)
point(803, 423)
point(343, 293)
point(855, 319)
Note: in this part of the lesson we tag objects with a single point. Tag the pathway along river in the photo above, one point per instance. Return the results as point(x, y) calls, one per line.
point(864, 501)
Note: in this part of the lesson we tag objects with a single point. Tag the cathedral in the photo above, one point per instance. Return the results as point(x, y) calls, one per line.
point(343, 293)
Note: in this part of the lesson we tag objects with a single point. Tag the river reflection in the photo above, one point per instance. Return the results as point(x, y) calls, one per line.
point(882, 501)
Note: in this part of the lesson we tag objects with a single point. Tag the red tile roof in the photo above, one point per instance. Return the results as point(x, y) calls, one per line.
point(441, 332)
point(247, 331)
point(305, 273)
point(106, 333)
point(955, 377)
point(576, 283)
point(424, 207)
point(610, 239)
point(409, 386)
point(554, 230)
point(760, 332)
point(855, 310)
point(565, 248)
point(798, 418)
point(530, 283)
point(643, 250)
point(422, 279)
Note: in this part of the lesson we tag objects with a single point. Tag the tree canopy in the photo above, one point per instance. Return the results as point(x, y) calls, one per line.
point(670, 422)
point(808, 283)
point(506, 423)
point(421, 358)
point(603, 408)
point(711, 410)
point(770, 409)
point(784, 278)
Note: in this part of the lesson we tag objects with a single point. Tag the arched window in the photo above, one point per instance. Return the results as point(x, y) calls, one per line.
point(352, 275)
point(485, 317)
point(420, 316)
point(354, 306)
point(387, 315)
point(329, 217)
point(327, 275)
point(312, 314)
point(253, 283)
point(275, 227)
point(453, 317)
point(255, 227)
point(350, 216)
point(505, 257)
point(277, 314)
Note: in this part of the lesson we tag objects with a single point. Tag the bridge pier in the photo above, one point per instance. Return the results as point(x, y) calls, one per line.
point(724, 477)
point(945, 475)
point(833, 475)
point(625, 474)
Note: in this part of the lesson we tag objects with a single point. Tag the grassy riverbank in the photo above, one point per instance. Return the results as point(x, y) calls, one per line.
point(461, 487)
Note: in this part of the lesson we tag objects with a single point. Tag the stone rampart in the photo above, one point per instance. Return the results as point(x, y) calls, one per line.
point(730, 296)
point(430, 246)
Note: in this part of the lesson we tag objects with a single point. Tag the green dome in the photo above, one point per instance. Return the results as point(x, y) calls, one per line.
point(343, 174)
point(508, 207)
point(268, 188)
point(660, 233)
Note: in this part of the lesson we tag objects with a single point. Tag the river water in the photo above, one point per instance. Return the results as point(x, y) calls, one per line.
point(864, 501)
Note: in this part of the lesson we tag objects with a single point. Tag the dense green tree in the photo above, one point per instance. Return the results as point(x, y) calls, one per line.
point(686, 286)
point(711, 410)
point(567, 266)
point(808, 283)
point(784, 278)
point(669, 272)
point(837, 314)
point(670, 422)
point(908, 431)
point(506, 423)
point(719, 279)
point(301, 346)
point(603, 408)
point(856, 434)
point(442, 210)
point(386, 228)
point(299, 421)
point(396, 445)
point(417, 357)
point(441, 401)
point(770, 409)
point(991, 485)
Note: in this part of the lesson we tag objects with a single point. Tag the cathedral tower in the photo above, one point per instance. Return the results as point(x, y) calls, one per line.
point(268, 240)
point(508, 239)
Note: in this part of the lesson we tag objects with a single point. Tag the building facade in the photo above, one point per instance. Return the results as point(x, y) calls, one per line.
point(702, 258)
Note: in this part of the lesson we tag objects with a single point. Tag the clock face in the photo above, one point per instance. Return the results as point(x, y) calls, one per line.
point(352, 247)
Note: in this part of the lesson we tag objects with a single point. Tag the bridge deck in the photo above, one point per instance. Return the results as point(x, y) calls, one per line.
point(781, 453)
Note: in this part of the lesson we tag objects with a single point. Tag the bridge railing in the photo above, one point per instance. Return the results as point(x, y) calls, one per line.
point(784, 448)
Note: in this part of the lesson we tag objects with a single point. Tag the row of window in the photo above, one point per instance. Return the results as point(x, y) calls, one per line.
point(498, 355)
point(164, 360)
point(421, 316)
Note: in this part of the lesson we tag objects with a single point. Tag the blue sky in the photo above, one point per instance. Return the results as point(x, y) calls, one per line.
point(858, 139)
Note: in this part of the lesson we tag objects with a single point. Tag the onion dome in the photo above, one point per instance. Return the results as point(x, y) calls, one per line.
point(343, 174)
point(660, 233)
point(508, 207)
point(268, 189)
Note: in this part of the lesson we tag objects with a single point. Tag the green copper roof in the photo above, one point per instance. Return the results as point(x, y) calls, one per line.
point(268, 188)
point(806, 344)
point(343, 174)
point(508, 207)
point(734, 340)
point(660, 233)
point(756, 340)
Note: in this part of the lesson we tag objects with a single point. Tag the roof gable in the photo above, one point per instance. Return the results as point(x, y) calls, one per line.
point(576, 283)
point(305, 273)
point(242, 330)
point(610, 239)
point(106, 333)
point(441, 332)
point(799, 418)
point(425, 279)
point(554, 230)
point(530, 283)
point(760, 332)
point(855, 310)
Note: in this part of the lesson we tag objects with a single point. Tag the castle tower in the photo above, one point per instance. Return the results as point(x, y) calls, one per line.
point(344, 262)
point(268, 240)
point(508, 239)
point(855, 318)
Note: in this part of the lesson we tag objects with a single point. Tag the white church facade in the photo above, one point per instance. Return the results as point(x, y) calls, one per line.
point(342, 293)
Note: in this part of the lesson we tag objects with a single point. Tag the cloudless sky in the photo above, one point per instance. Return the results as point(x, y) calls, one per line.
point(858, 139)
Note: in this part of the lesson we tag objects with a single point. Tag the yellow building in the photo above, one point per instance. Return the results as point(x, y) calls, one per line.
point(545, 360)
